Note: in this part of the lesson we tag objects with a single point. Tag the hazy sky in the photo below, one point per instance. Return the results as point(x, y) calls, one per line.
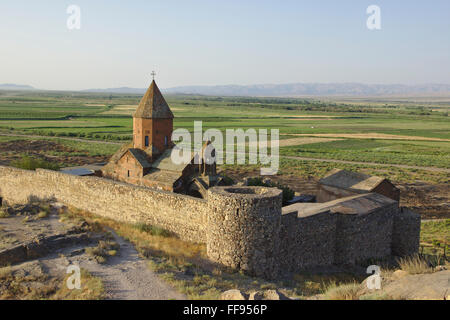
point(222, 42)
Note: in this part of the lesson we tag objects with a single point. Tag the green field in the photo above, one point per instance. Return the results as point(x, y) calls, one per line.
point(106, 117)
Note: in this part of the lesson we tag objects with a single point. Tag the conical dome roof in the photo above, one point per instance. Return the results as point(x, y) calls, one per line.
point(153, 105)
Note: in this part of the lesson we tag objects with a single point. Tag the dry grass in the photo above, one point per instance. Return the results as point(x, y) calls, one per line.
point(349, 291)
point(91, 289)
point(5, 272)
point(414, 265)
point(146, 242)
point(103, 250)
point(42, 214)
point(30, 287)
point(3, 213)
point(381, 296)
point(39, 286)
point(308, 284)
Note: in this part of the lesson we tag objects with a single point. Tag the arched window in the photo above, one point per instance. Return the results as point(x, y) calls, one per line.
point(166, 141)
point(146, 141)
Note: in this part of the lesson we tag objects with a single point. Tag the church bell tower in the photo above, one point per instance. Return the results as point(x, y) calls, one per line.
point(153, 121)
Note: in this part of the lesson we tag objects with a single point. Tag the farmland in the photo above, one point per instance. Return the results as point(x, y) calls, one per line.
point(405, 139)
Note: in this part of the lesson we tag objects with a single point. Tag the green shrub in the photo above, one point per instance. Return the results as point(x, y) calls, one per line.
point(43, 214)
point(227, 180)
point(30, 163)
point(153, 230)
point(103, 250)
point(288, 193)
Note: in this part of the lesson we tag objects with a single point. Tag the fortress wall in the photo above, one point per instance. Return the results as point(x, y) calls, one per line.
point(243, 228)
point(343, 231)
point(313, 236)
point(183, 215)
point(364, 236)
point(406, 235)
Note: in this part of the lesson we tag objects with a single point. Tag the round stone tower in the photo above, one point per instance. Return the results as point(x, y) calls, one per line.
point(243, 228)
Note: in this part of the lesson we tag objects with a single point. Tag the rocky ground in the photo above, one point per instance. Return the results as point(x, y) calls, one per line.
point(40, 248)
point(396, 286)
point(418, 286)
point(39, 241)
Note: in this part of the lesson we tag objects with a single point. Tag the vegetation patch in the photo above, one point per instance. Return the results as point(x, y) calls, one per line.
point(153, 230)
point(414, 265)
point(3, 213)
point(103, 250)
point(30, 163)
point(288, 193)
point(435, 238)
point(92, 288)
point(28, 281)
point(349, 291)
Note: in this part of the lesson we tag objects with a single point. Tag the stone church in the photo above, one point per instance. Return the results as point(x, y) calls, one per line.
point(147, 160)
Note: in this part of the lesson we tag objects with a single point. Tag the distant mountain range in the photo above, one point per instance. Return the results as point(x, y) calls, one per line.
point(313, 89)
point(12, 86)
point(118, 90)
point(280, 90)
point(296, 89)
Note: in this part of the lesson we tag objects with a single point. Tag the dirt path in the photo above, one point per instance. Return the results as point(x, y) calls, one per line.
point(127, 276)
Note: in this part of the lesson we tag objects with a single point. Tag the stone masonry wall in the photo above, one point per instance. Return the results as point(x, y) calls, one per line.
point(243, 227)
point(364, 236)
point(406, 236)
point(183, 215)
point(314, 236)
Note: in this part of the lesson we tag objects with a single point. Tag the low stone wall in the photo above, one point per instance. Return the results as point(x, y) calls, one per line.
point(183, 215)
point(35, 249)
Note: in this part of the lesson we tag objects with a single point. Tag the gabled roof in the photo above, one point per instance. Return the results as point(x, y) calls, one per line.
point(164, 162)
point(351, 180)
point(357, 205)
point(153, 105)
point(141, 157)
point(163, 177)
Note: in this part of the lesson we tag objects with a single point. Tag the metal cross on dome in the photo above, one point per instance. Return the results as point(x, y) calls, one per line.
point(153, 74)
